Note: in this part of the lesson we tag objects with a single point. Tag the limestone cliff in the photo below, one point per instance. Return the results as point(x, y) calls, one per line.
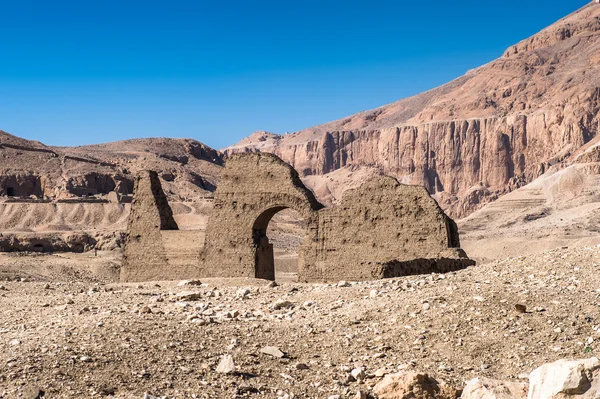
point(493, 130)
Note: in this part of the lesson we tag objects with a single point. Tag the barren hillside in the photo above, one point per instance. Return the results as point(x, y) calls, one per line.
point(188, 169)
point(482, 135)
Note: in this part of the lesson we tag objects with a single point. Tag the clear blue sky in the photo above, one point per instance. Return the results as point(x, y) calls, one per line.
point(90, 71)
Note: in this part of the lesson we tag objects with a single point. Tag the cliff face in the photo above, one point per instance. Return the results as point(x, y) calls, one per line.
point(485, 134)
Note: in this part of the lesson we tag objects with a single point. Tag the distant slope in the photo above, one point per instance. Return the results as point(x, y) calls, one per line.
point(188, 169)
point(485, 134)
point(560, 208)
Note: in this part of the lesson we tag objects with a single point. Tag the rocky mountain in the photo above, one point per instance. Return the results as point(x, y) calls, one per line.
point(485, 134)
point(188, 169)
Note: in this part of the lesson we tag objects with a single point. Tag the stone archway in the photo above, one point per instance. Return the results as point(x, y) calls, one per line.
point(268, 265)
point(251, 190)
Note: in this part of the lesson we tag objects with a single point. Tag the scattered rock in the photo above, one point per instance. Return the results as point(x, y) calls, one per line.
point(32, 392)
point(282, 304)
point(184, 283)
point(302, 366)
point(226, 365)
point(410, 385)
point(358, 374)
point(485, 388)
point(188, 296)
point(145, 310)
point(521, 308)
point(272, 351)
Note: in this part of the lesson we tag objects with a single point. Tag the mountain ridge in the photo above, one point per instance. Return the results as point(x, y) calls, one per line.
point(477, 137)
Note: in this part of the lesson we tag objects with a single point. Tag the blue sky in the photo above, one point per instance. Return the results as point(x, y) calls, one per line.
point(81, 72)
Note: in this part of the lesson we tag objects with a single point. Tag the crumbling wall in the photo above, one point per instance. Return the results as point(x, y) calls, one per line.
point(382, 229)
point(144, 257)
point(252, 189)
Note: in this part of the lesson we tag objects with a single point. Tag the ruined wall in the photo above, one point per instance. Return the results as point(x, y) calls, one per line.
point(251, 190)
point(382, 229)
point(144, 256)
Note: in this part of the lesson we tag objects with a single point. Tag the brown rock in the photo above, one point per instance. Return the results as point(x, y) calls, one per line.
point(410, 385)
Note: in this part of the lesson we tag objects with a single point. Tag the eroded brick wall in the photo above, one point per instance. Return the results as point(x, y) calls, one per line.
point(252, 189)
point(144, 256)
point(377, 231)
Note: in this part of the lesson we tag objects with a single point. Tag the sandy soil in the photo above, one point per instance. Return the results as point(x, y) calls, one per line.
point(79, 336)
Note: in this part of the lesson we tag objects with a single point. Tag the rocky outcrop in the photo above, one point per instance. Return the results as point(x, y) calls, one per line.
point(493, 130)
point(413, 385)
point(564, 378)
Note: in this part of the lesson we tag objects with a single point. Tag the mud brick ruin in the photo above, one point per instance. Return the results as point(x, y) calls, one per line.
point(381, 229)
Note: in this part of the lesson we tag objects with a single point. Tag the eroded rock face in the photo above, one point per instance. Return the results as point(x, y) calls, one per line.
point(498, 127)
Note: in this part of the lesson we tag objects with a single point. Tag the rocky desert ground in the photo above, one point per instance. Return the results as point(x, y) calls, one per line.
point(85, 336)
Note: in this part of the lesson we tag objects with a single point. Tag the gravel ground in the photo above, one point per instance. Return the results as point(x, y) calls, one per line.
point(84, 338)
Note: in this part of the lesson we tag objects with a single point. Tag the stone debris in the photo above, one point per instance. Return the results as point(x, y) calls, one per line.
point(282, 304)
point(272, 351)
point(330, 334)
point(486, 388)
point(412, 385)
point(188, 296)
point(226, 365)
point(188, 283)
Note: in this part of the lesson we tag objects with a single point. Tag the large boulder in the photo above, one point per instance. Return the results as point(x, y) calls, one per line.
point(564, 378)
point(410, 385)
point(485, 388)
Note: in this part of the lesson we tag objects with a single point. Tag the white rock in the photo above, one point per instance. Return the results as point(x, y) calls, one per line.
point(373, 293)
point(485, 388)
point(358, 374)
point(272, 351)
point(563, 377)
point(226, 365)
point(343, 284)
point(282, 304)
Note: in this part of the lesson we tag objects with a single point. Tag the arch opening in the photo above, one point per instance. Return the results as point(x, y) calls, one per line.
point(278, 233)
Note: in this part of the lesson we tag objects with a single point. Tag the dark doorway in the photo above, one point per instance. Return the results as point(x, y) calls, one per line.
point(10, 191)
point(278, 234)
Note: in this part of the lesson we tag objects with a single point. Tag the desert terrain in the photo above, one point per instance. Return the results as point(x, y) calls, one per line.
point(82, 335)
point(510, 150)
